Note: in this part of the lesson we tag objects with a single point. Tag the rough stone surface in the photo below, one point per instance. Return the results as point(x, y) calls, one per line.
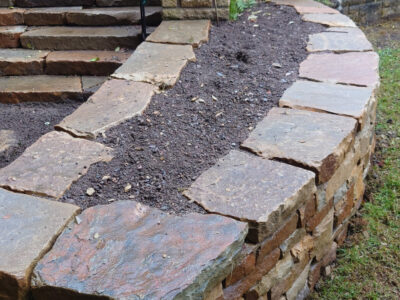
point(314, 140)
point(50, 165)
point(107, 3)
point(9, 17)
point(81, 38)
point(186, 32)
point(43, 16)
point(90, 84)
point(176, 258)
point(8, 141)
point(298, 285)
point(196, 3)
point(16, 62)
point(308, 6)
point(348, 68)
point(46, 3)
point(28, 228)
point(160, 64)
point(323, 235)
point(246, 266)
point(195, 13)
point(338, 42)
point(38, 88)
point(333, 20)
point(276, 191)
point(95, 63)
point(326, 97)
point(10, 36)
point(116, 101)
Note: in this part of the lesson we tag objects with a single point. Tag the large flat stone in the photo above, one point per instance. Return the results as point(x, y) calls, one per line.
point(92, 62)
point(160, 64)
point(81, 38)
point(116, 101)
point(129, 251)
point(348, 68)
point(9, 17)
point(16, 62)
point(28, 229)
point(307, 6)
point(43, 16)
point(316, 141)
point(342, 100)
point(52, 164)
point(249, 188)
point(338, 42)
point(53, 3)
point(332, 20)
point(185, 32)
point(10, 36)
point(38, 88)
point(8, 141)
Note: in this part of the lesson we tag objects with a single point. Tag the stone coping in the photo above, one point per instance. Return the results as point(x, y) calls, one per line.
point(297, 212)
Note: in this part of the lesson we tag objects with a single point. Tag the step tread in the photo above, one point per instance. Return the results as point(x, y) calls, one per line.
point(66, 31)
point(18, 55)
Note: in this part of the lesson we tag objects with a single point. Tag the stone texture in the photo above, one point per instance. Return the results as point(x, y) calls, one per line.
point(159, 64)
point(307, 6)
point(323, 235)
point(17, 62)
point(46, 3)
point(196, 3)
point(17, 89)
point(81, 38)
point(319, 216)
point(343, 208)
point(292, 240)
point(343, 100)
point(262, 192)
point(28, 229)
point(9, 17)
point(10, 36)
point(91, 84)
point(338, 42)
point(333, 20)
point(116, 101)
point(246, 266)
point(43, 16)
point(108, 3)
point(195, 13)
point(176, 258)
point(52, 164)
point(348, 68)
point(186, 32)
point(298, 285)
point(95, 63)
point(307, 211)
point(8, 141)
point(314, 140)
point(302, 250)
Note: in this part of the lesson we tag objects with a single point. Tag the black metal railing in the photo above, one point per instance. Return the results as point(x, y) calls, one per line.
point(143, 19)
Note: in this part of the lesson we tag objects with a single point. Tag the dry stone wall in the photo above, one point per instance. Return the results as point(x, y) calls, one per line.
point(366, 11)
point(196, 9)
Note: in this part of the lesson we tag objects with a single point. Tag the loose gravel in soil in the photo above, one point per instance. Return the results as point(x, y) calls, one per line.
point(238, 77)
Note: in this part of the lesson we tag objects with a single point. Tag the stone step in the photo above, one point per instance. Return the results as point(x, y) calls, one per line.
point(10, 36)
point(86, 3)
point(81, 38)
point(16, 62)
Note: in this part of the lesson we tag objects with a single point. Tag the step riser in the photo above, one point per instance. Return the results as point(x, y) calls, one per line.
point(15, 97)
point(79, 68)
point(85, 3)
point(29, 68)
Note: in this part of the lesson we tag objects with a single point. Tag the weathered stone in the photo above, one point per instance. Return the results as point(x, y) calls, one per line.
point(43, 16)
point(90, 84)
point(195, 13)
point(292, 240)
point(298, 285)
point(343, 100)
point(341, 234)
point(337, 20)
point(196, 3)
point(323, 235)
point(314, 274)
point(10, 36)
point(262, 192)
point(215, 294)
point(307, 211)
point(359, 69)
point(38, 88)
point(302, 250)
point(169, 3)
point(343, 208)
point(319, 216)
point(108, 3)
point(9, 17)
point(307, 6)
point(111, 16)
point(46, 3)
point(176, 258)
point(314, 140)
point(51, 164)
point(95, 63)
point(115, 102)
point(160, 64)
point(17, 62)
point(82, 38)
point(28, 229)
point(8, 141)
point(245, 267)
point(338, 42)
point(330, 257)
point(241, 287)
point(186, 32)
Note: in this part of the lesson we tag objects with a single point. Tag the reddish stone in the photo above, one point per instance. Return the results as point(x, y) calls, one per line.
point(319, 216)
point(302, 249)
point(17, 62)
point(343, 210)
point(307, 211)
point(341, 234)
point(314, 275)
point(9, 36)
point(10, 17)
point(246, 266)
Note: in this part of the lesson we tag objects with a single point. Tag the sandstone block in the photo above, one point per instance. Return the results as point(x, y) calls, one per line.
point(10, 36)
point(298, 285)
point(17, 62)
point(292, 240)
point(343, 208)
point(323, 236)
point(307, 211)
point(245, 267)
point(307, 6)
point(9, 17)
point(333, 20)
point(44, 16)
point(53, 3)
point(338, 42)
point(195, 13)
point(319, 216)
point(302, 250)
point(341, 234)
point(196, 3)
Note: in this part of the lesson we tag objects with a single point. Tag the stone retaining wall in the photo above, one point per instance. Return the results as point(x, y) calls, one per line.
point(370, 11)
point(196, 9)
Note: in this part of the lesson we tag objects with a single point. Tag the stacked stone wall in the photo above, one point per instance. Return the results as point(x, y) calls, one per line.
point(370, 11)
point(196, 9)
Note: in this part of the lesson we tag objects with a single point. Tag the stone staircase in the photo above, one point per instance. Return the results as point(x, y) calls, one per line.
point(65, 49)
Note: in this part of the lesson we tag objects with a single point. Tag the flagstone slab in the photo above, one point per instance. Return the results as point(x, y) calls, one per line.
point(8, 141)
point(46, 3)
point(185, 32)
point(249, 188)
point(90, 84)
point(52, 164)
point(126, 250)
point(338, 99)
point(354, 68)
point(28, 228)
point(10, 17)
point(10, 36)
point(307, 6)
point(332, 20)
point(160, 64)
point(116, 101)
point(338, 42)
point(44, 16)
point(316, 141)
point(16, 62)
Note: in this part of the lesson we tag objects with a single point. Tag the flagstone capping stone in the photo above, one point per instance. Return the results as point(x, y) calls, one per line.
point(28, 228)
point(332, 20)
point(307, 6)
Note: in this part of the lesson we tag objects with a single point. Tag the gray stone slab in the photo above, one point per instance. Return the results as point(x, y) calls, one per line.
point(316, 141)
point(53, 3)
point(52, 164)
point(252, 189)
point(307, 6)
point(160, 64)
point(332, 20)
point(116, 101)
point(338, 42)
point(17, 62)
point(126, 250)
point(326, 97)
point(28, 228)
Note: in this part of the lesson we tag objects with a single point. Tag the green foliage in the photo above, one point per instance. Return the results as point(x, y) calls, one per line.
point(238, 6)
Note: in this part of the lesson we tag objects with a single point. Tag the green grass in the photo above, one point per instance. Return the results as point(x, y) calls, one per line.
point(369, 266)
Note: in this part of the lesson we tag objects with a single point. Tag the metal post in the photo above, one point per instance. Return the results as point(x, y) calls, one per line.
point(143, 19)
